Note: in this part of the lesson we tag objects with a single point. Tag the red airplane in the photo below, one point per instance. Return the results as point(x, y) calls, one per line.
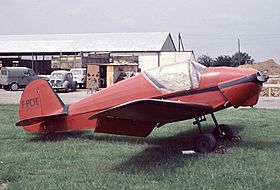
point(137, 105)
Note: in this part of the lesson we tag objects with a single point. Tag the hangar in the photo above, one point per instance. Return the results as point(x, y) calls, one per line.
point(37, 51)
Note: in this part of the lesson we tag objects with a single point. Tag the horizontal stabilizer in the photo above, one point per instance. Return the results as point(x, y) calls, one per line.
point(39, 119)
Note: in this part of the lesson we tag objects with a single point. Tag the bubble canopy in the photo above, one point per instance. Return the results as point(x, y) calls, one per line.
point(177, 76)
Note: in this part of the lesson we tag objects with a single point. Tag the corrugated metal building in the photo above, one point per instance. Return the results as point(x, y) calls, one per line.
point(153, 49)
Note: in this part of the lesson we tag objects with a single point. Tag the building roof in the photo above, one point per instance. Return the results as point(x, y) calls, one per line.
point(105, 42)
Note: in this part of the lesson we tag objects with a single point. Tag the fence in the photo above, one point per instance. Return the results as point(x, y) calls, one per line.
point(273, 85)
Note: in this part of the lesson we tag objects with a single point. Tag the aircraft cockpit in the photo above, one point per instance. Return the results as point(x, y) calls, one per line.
point(177, 76)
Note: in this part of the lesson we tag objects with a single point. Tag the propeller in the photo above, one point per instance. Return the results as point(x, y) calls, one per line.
point(262, 76)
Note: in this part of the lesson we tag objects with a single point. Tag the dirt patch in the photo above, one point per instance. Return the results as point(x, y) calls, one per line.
point(273, 70)
point(270, 66)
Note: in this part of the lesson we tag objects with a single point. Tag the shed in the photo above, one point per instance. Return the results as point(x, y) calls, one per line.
point(152, 48)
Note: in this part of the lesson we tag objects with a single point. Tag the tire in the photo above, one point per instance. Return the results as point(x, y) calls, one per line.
point(205, 142)
point(74, 87)
point(227, 130)
point(7, 87)
point(66, 86)
point(14, 87)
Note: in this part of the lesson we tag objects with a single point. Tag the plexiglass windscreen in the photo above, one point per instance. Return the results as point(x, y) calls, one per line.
point(177, 76)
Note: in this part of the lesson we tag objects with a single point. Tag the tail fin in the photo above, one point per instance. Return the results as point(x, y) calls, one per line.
point(39, 102)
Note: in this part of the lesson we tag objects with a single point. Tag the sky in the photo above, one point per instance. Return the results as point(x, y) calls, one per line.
point(210, 27)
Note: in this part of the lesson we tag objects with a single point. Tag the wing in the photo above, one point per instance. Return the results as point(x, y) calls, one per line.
point(138, 118)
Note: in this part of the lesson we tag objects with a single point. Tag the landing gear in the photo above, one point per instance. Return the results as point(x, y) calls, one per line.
point(204, 142)
point(207, 142)
point(223, 132)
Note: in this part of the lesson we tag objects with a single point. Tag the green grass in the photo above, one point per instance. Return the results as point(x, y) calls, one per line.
point(87, 160)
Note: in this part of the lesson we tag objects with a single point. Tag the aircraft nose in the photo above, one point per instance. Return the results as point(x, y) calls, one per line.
point(243, 86)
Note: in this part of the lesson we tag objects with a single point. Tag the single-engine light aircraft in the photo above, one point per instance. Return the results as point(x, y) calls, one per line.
point(137, 105)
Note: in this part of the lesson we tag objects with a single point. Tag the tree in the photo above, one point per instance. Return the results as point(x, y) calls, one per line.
point(225, 60)
point(205, 60)
point(244, 58)
point(222, 60)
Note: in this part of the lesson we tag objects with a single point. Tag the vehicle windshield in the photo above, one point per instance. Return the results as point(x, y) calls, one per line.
point(57, 76)
point(77, 72)
point(4, 72)
point(177, 76)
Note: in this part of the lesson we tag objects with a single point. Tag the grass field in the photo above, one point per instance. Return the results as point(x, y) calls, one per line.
point(86, 160)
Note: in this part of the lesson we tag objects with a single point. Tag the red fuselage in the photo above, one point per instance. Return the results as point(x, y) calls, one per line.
point(220, 87)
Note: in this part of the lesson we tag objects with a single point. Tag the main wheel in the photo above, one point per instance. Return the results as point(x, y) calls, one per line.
point(225, 132)
point(205, 142)
point(14, 87)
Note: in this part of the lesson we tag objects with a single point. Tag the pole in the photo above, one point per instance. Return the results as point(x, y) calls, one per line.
point(238, 52)
point(179, 41)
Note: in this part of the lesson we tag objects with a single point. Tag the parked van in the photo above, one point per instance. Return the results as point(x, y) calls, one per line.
point(13, 78)
point(79, 75)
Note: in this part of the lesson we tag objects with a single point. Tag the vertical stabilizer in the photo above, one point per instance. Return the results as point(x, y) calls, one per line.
point(39, 102)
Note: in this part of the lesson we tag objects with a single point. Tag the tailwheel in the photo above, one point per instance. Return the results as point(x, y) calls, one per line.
point(225, 132)
point(205, 142)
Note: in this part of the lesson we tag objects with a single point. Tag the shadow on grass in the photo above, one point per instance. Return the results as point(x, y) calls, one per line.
point(178, 140)
point(63, 136)
point(175, 143)
point(168, 157)
point(161, 151)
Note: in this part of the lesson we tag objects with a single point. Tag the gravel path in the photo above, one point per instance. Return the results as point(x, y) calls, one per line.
point(10, 97)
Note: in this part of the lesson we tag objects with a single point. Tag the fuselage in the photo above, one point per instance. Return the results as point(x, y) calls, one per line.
point(216, 87)
point(220, 87)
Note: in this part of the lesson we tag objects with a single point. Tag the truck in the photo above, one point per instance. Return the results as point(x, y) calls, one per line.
point(13, 78)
